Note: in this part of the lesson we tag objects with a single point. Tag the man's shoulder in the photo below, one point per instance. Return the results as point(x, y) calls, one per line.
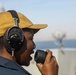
point(8, 67)
point(7, 71)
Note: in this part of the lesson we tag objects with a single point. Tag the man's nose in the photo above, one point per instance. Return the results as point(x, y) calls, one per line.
point(34, 45)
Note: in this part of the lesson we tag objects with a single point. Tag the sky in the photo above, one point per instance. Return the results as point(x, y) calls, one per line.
point(59, 15)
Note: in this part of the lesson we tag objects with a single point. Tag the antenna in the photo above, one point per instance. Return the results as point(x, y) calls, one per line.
point(59, 36)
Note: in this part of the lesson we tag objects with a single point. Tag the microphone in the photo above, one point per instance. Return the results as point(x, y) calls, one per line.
point(40, 56)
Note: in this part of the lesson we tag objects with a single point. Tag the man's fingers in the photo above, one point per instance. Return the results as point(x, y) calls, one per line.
point(39, 65)
point(49, 55)
point(53, 60)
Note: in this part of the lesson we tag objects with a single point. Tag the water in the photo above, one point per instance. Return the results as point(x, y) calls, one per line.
point(52, 44)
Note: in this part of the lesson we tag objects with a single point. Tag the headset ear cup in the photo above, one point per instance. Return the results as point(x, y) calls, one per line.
point(13, 39)
point(5, 42)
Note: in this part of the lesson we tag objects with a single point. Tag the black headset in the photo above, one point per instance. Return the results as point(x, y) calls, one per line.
point(13, 38)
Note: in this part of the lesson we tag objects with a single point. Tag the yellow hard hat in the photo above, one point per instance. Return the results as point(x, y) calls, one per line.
point(7, 21)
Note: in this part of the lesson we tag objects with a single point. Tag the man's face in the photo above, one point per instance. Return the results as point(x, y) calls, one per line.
point(23, 56)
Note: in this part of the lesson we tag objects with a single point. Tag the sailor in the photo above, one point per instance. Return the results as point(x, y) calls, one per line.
point(16, 45)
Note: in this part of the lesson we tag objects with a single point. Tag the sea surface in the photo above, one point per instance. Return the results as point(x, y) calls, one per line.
point(55, 44)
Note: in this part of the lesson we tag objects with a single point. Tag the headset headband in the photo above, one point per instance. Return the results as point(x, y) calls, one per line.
point(14, 14)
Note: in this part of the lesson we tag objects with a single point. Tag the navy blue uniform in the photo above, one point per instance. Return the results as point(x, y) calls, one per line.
point(9, 67)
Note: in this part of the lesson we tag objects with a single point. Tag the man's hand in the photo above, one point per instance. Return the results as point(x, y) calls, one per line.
point(50, 66)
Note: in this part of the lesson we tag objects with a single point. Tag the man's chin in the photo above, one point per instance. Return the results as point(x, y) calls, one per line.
point(27, 64)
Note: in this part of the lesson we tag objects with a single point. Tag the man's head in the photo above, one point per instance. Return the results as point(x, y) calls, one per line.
point(29, 29)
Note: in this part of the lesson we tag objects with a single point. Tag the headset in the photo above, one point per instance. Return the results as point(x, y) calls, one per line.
point(13, 38)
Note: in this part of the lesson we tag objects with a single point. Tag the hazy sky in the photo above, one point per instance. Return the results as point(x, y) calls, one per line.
point(58, 14)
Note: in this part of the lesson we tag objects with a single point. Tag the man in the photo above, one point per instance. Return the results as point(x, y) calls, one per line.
point(14, 55)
